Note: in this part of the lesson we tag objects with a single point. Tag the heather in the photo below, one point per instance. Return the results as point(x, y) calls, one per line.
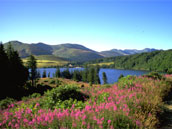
point(133, 102)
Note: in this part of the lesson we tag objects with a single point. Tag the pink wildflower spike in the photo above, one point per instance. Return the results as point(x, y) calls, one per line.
point(83, 123)
point(114, 108)
point(109, 121)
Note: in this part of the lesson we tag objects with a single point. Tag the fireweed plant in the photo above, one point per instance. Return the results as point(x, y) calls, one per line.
point(133, 102)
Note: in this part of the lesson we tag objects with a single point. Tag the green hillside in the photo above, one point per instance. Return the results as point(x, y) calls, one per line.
point(72, 52)
point(154, 61)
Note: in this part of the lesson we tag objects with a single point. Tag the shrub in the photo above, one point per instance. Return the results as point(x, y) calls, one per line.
point(6, 102)
point(154, 75)
point(126, 82)
point(57, 95)
point(35, 95)
point(52, 82)
point(121, 76)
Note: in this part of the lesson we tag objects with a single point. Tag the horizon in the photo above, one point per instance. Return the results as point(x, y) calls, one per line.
point(82, 45)
point(98, 25)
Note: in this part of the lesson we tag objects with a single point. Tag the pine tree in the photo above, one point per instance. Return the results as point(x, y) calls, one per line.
point(91, 76)
point(57, 73)
point(85, 74)
point(104, 78)
point(75, 76)
point(17, 72)
point(4, 72)
point(96, 75)
point(44, 75)
point(48, 74)
point(32, 65)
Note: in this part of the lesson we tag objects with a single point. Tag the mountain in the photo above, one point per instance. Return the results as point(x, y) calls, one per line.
point(68, 51)
point(72, 52)
point(119, 52)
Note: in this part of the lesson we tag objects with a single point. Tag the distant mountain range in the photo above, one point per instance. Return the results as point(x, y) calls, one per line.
point(119, 52)
point(71, 52)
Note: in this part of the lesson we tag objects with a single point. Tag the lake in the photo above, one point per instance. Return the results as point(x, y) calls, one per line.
point(112, 74)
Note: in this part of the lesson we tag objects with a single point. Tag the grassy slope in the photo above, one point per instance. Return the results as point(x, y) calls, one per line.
point(48, 60)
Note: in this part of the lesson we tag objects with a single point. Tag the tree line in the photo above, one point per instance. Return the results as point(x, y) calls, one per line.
point(160, 61)
point(88, 74)
point(13, 73)
point(15, 78)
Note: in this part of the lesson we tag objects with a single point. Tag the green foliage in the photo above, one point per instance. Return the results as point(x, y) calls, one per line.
point(64, 95)
point(154, 75)
point(154, 61)
point(103, 97)
point(44, 75)
point(57, 73)
point(121, 76)
point(5, 102)
point(66, 74)
point(35, 95)
point(169, 71)
point(32, 65)
point(126, 82)
point(104, 78)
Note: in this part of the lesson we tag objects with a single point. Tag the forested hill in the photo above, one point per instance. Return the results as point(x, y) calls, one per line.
point(154, 61)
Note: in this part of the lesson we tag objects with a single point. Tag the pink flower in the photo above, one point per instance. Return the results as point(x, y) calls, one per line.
point(25, 120)
point(109, 121)
point(114, 108)
point(83, 123)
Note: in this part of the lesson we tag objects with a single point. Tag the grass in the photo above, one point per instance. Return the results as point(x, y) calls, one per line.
point(62, 81)
point(104, 63)
point(48, 61)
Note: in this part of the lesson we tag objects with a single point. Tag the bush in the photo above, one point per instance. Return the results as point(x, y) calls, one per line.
point(155, 75)
point(57, 95)
point(126, 82)
point(121, 76)
point(5, 102)
point(35, 95)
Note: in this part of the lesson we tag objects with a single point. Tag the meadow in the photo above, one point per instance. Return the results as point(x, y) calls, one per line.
point(47, 61)
point(132, 102)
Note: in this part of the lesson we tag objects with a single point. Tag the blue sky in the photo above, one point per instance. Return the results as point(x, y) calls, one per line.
point(97, 24)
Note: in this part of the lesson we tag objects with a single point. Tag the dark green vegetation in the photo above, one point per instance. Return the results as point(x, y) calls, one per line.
point(71, 52)
point(160, 61)
point(31, 64)
point(13, 74)
point(88, 75)
point(104, 78)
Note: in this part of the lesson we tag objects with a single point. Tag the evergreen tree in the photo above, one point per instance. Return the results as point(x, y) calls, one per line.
point(38, 74)
point(96, 75)
point(57, 73)
point(4, 71)
point(32, 65)
point(85, 74)
point(49, 74)
point(66, 74)
point(75, 76)
point(91, 76)
point(44, 75)
point(17, 73)
point(104, 78)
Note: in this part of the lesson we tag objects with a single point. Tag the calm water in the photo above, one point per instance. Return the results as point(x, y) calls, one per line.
point(112, 74)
